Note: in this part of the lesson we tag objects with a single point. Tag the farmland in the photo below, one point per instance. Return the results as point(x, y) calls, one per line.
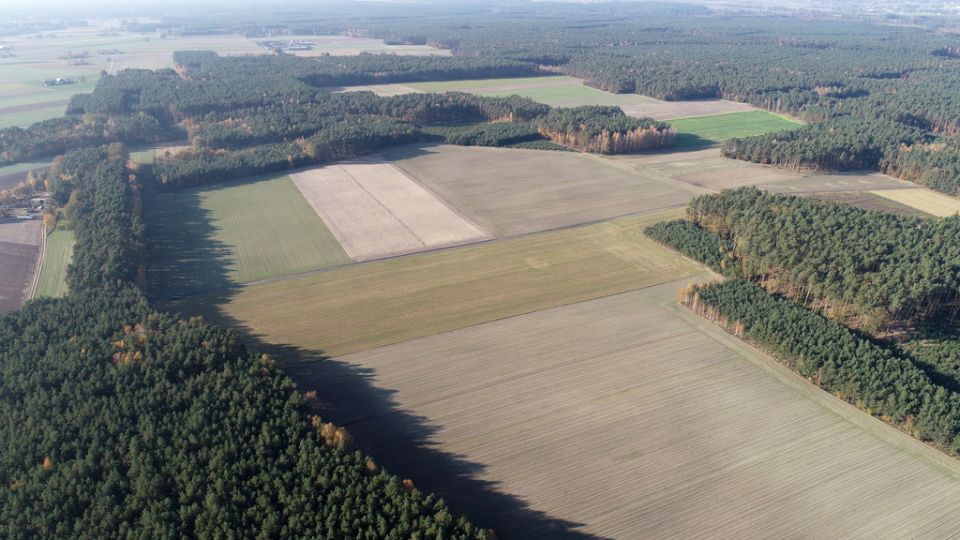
point(56, 258)
point(19, 250)
point(925, 200)
point(563, 91)
point(379, 303)
point(350, 46)
point(374, 210)
point(718, 128)
point(11, 175)
point(661, 424)
point(235, 233)
point(511, 192)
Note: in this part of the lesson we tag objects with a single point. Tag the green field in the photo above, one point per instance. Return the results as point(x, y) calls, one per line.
point(364, 306)
point(231, 233)
point(720, 127)
point(56, 258)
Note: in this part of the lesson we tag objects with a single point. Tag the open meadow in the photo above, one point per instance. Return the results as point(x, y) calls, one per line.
point(364, 306)
point(511, 191)
point(57, 254)
point(625, 417)
point(692, 132)
point(375, 211)
point(924, 199)
point(231, 233)
point(19, 253)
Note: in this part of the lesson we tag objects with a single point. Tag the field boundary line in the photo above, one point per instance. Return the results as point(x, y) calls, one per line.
point(692, 277)
point(847, 412)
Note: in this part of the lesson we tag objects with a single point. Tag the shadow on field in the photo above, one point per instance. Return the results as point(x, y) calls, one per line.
point(189, 273)
point(183, 254)
point(403, 443)
point(689, 142)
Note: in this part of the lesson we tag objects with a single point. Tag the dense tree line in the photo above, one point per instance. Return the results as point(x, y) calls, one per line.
point(695, 242)
point(343, 140)
point(835, 358)
point(122, 421)
point(935, 165)
point(51, 137)
point(605, 130)
point(853, 263)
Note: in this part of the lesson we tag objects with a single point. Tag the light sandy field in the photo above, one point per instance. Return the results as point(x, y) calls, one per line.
point(385, 90)
point(561, 91)
point(624, 417)
point(352, 46)
point(510, 191)
point(368, 305)
point(374, 210)
point(19, 252)
point(925, 200)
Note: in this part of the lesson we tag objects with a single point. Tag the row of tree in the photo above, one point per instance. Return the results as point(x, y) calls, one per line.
point(865, 267)
point(835, 358)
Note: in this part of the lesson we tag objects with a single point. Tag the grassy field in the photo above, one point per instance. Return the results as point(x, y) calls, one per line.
point(23, 99)
point(233, 233)
point(56, 258)
point(720, 127)
point(925, 200)
point(365, 306)
point(633, 419)
point(509, 191)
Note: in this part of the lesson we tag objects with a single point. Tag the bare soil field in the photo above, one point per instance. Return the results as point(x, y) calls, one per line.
point(868, 201)
point(625, 417)
point(923, 199)
point(367, 305)
point(562, 91)
point(510, 191)
point(666, 110)
point(19, 251)
point(374, 210)
point(385, 90)
point(351, 46)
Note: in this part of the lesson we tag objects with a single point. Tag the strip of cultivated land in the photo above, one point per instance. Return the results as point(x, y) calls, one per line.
point(563, 91)
point(374, 210)
point(636, 420)
point(218, 236)
point(19, 251)
point(925, 200)
point(368, 305)
point(57, 255)
point(692, 132)
point(510, 191)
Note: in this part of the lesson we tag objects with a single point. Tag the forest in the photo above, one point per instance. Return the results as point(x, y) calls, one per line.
point(122, 420)
point(866, 266)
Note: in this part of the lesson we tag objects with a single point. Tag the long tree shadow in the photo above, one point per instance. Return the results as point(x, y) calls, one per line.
point(405, 444)
point(189, 272)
